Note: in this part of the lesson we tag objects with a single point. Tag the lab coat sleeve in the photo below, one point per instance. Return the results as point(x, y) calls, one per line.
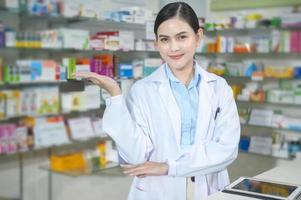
point(127, 126)
point(216, 154)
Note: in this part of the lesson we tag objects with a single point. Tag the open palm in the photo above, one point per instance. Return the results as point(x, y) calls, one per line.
point(105, 82)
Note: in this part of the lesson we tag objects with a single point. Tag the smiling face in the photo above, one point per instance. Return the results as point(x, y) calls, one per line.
point(177, 42)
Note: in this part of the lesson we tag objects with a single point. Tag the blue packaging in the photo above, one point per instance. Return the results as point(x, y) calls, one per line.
point(297, 72)
point(2, 35)
point(125, 71)
point(244, 143)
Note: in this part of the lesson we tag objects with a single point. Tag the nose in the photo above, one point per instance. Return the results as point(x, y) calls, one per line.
point(174, 46)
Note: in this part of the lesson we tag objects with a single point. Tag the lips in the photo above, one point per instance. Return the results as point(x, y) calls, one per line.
point(176, 57)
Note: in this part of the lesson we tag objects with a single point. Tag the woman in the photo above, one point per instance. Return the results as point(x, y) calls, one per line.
point(179, 122)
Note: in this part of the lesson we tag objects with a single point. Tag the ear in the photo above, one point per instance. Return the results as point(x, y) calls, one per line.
point(200, 35)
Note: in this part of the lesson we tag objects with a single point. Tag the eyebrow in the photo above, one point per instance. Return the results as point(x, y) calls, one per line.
point(183, 32)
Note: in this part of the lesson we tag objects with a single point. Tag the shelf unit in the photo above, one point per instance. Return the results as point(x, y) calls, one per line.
point(254, 104)
point(253, 55)
point(53, 22)
point(109, 166)
point(86, 51)
point(265, 155)
point(244, 79)
point(49, 150)
point(241, 80)
point(244, 31)
point(141, 28)
point(269, 128)
point(67, 20)
point(118, 52)
point(4, 198)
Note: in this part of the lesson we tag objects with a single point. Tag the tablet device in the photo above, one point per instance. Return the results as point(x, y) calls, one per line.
point(264, 189)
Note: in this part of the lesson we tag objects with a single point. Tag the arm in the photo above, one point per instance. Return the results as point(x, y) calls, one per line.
point(216, 154)
point(125, 123)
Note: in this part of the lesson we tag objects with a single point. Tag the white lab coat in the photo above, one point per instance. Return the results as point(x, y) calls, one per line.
point(147, 127)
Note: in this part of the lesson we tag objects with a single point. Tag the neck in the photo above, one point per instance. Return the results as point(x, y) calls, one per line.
point(185, 74)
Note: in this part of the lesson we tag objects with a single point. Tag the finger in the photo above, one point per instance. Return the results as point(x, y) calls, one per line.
point(142, 176)
point(79, 74)
point(137, 171)
point(85, 74)
point(127, 167)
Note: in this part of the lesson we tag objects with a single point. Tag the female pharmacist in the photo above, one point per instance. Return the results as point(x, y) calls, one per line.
point(176, 125)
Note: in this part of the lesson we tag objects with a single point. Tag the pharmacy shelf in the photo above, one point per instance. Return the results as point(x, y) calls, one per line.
point(30, 83)
point(270, 129)
point(253, 55)
point(6, 198)
point(109, 166)
point(71, 51)
point(70, 113)
point(73, 144)
point(253, 104)
point(244, 79)
point(248, 31)
point(126, 53)
point(264, 155)
point(64, 85)
point(68, 20)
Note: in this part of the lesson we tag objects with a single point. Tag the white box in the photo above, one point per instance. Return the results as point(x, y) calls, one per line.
point(126, 40)
point(261, 117)
point(74, 38)
point(71, 9)
point(149, 28)
point(261, 145)
point(81, 128)
point(92, 93)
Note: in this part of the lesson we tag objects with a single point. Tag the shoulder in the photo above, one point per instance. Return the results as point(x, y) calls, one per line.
point(150, 82)
point(218, 83)
point(214, 79)
point(143, 87)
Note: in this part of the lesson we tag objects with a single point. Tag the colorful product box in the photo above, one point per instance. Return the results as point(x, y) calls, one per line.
point(150, 65)
point(74, 39)
point(125, 71)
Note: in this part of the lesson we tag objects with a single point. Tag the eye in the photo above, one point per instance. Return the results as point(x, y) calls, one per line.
point(182, 37)
point(164, 40)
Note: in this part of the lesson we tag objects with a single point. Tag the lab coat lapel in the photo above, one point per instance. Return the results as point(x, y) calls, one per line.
point(204, 108)
point(172, 109)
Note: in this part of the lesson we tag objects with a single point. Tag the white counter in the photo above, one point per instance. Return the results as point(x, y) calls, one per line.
point(287, 173)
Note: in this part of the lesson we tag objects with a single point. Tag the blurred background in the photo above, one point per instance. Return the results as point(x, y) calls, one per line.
point(51, 141)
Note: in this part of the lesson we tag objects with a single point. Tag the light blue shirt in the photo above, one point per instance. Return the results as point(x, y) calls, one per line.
point(187, 100)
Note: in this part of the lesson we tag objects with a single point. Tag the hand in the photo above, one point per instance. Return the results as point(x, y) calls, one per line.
point(105, 82)
point(146, 169)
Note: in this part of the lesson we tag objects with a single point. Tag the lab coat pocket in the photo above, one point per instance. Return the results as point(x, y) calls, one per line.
point(211, 128)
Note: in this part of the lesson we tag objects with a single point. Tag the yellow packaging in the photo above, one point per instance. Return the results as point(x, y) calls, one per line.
point(74, 162)
point(220, 71)
point(13, 104)
point(101, 147)
point(2, 105)
point(236, 90)
point(279, 72)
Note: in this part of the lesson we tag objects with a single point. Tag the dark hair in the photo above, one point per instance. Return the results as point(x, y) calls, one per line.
point(177, 9)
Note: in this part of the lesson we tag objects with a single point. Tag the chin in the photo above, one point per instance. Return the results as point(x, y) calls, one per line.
point(177, 65)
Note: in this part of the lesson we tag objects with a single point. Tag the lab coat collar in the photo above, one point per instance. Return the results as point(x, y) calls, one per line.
point(160, 76)
point(204, 105)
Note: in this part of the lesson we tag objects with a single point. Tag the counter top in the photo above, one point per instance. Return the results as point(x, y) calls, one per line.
point(286, 172)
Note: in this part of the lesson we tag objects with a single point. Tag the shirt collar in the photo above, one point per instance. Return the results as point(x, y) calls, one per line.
point(194, 82)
